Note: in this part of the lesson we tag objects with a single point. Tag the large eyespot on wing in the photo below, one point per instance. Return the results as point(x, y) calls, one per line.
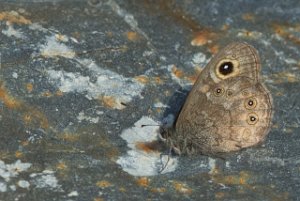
point(227, 68)
point(236, 59)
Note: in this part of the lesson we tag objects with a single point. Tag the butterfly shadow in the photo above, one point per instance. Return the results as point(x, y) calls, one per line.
point(175, 103)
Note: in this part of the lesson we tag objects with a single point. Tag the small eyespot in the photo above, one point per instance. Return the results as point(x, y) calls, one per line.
point(245, 93)
point(226, 68)
point(229, 93)
point(252, 119)
point(250, 103)
point(218, 91)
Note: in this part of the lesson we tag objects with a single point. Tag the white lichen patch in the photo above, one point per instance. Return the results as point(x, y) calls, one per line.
point(199, 59)
point(250, 34)
point(82, 117)
point(3, 187)
point(108, 83)
point(73, 194)
point(7, 171)
point(12, 32)
point(23, 184)
point(10, 171)
point(54, 47)
point(211, 165)
point(37, 27)
point(160, 105)
point(139, 162)
point(46, 179)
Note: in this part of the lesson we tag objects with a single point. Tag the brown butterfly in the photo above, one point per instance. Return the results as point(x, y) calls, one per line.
point(228, 108)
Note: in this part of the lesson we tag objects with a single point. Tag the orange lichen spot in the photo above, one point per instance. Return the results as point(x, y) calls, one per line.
point(279, 29)
point(103, 184)
point(289, 32)
point(34, 116)
point(30, 115)
point(112, 153)
point(109, 101)
point(148, 146)
point(7, 99)
point(5, 154)
point(193, 78)
point(225, 27)
point(43, 120)
point(61, 166)
point(61, 37)
point(59, 93)
point(182, 188)
point(132, 36)
point(159, 110)
point(248, 17)
point(19, 154)
point(13, 17)
point(47, 94)
point(49, 53)
point(109, 34)
point(288, 130)
point(29, 87)
point(283, 77)
point(76, 35)
point(244, 178)
point(249, 34)
point(98, 199)
point(219, 195)
point(27, 118)
point(213, 49)
point(177, 72)
point(122, 189)
point(143, 181)
point(291, 77)
point(241, 179)
point(158, 80)
point(203, 37)
point(158, 190)
point(142, 79)
point(279, 93)
point(25, 143)
point(214, 170)
point(70, 137)
point(112, 102)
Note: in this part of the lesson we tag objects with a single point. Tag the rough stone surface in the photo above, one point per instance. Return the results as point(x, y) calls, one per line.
point(77, 77)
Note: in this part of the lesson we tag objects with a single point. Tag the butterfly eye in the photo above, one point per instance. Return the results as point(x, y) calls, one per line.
point(250, 103)
point(226, 68)
point(252, 119)
point(219, 91)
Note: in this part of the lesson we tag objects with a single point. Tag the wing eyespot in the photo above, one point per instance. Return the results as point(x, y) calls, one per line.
point(250, 103)
point(229, 92)
point(219, 91)
point(226, 68)
point(245, 93)
point(252, 119)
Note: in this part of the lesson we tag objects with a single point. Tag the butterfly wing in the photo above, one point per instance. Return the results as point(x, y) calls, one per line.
point(228, 107)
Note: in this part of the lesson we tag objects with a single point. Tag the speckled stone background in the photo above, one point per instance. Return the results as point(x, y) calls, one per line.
point(76, 74)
